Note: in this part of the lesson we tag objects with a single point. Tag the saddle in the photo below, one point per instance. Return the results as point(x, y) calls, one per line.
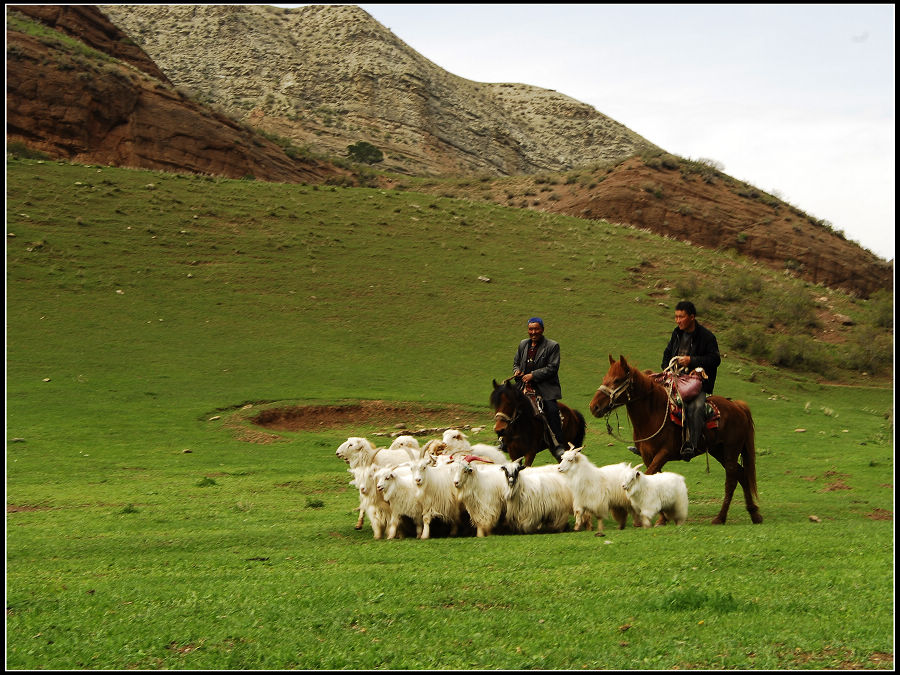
point(537, 406)
point(537, 403)
point(683, 388)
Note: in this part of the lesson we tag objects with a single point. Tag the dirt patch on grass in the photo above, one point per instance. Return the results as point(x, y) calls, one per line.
point(389, 416)
point(880, 514)
point(18, 508)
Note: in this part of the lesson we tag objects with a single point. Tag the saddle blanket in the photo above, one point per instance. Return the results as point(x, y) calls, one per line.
point(712, 414)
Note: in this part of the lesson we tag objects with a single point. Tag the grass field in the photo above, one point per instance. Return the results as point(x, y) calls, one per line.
point(151, 524)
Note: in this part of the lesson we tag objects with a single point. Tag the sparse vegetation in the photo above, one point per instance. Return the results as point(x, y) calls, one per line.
point(365, 152)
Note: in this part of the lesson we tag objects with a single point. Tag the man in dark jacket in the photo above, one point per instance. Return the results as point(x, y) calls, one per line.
point(537, 364)
point(696, 347)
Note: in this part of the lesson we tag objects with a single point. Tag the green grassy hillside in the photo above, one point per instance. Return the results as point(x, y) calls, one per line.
point(150, 315)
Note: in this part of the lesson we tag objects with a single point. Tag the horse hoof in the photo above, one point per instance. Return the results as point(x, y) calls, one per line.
point(756, 518)
point(718, 521)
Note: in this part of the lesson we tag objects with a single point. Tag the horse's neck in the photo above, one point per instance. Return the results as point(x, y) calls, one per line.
point(645, 405)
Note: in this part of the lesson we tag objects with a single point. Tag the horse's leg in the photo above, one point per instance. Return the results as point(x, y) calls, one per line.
point(659, 459)
point(752, 508)
point(529, 458)
point(731, 481)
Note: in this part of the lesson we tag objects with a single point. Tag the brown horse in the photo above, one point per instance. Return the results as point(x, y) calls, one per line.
point(658, 438)
point(521, 433)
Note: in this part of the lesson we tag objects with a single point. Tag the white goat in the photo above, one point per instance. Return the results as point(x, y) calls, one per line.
point(481, 489)
point(436, 494)
point(371, 501)
point(407, 442)
point(539, 498)
point(399, 490)
point(596, 490)
point(659, 493)
point(358, 451)
point(457, 444)
point(361, 452)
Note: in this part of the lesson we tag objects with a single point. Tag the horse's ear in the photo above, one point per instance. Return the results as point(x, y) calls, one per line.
point(495, 383)
point(623, 362)
point(611, 360)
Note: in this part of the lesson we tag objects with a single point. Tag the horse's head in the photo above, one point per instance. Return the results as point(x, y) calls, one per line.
point(505, 400)
point(615, 389)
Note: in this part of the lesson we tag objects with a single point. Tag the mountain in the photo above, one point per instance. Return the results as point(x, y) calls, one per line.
point(256, 91)
point(327, 76)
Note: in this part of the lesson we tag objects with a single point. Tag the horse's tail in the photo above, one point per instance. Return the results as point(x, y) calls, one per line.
point(748, 450)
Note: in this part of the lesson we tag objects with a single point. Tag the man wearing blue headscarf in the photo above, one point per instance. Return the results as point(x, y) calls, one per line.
point(537, 366)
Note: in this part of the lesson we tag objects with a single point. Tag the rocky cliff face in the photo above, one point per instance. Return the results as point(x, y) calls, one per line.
point(69, 99)
point(327, 76)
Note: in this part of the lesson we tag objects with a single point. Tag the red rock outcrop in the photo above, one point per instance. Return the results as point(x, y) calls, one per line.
point(90, 25)
point(80, 105)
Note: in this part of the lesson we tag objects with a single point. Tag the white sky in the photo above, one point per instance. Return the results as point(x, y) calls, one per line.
point(797, 100)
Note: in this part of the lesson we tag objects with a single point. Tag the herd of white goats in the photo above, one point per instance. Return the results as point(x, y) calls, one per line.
point(464, 486)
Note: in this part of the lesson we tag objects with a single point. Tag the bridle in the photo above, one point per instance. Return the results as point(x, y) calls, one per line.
point(506, 418)
point(510, 420)
point(624, 389)
point(613, 394)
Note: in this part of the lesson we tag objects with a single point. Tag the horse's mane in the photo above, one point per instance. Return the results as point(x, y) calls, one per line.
point(643, 380)
point(510, 389)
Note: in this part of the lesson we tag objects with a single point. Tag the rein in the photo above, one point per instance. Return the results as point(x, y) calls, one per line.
point(503, 416)
point(625, 388)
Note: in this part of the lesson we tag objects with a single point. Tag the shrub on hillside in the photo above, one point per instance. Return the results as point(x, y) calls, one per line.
point(792, 309)
point(882, 308)
point(800, 352)
point(751, 340)
point(871, 352)
point(364, 152)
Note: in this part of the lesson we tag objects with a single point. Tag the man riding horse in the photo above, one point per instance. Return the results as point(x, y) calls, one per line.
point(537, 366)
point(694, 346)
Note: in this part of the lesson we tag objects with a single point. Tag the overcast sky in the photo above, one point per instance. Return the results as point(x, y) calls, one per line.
point(797, 100)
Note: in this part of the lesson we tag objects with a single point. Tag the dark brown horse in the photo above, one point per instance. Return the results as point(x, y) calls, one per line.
point(658, 438)
point(521, 433)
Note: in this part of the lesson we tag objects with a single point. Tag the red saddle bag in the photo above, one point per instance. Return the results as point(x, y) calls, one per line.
point(689, 386)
